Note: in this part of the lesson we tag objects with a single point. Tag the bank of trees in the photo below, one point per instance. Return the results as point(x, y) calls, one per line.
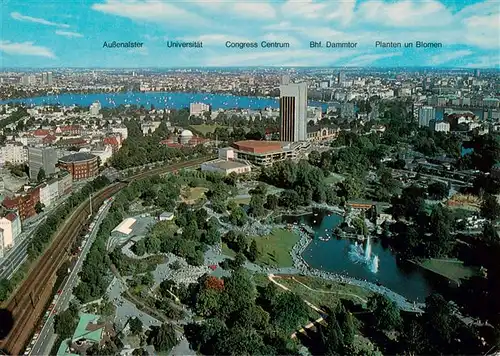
point(241, 320)
point(138, 149)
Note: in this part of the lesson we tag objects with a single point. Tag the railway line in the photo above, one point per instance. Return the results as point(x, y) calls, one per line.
point(29, 301)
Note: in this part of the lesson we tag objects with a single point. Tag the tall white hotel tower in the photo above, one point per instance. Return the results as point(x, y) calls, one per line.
point(293, 112)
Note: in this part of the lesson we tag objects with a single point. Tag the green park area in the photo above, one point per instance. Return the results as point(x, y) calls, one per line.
point(204, 128)
point(334, 178)
point(452, 269)
point(274, 249)
point(191, 195)
point(322, 292)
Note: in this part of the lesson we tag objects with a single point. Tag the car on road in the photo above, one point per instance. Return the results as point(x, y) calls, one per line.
point(59, 291)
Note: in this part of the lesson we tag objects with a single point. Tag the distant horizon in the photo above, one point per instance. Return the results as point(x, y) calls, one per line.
point(257, 33)
point(5, 69)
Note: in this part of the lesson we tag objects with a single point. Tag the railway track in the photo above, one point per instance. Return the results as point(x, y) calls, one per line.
point(29, 301)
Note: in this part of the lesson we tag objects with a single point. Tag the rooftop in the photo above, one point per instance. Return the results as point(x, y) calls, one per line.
point(88, 328)
point(223, 164)
point(125, 226)
point(77, 157)
point(255, 146)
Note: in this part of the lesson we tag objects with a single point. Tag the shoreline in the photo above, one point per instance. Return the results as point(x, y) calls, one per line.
point(300, 264)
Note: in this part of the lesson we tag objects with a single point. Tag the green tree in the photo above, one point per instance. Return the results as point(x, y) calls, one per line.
point(41, 175)
point(253, 251)
point(490, 234)
point(385, 311)
point(5, 289)
point(39, 207)
point(257, 205)
point(163, 338)
point(490, 208)
point(135, 325)
point(289, 311)
point(272, 201)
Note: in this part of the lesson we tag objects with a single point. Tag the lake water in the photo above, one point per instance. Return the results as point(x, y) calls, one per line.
point(169, 100)
point(405, 279)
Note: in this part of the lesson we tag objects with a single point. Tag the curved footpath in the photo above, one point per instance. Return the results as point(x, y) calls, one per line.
point(215, 256)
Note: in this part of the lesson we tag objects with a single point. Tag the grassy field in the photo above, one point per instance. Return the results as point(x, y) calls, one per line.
point(204, 128)
point(334, 178)
point(241, 201)
point(451, 269)
point(274, 248)
point(191, 195)
point(319, 291)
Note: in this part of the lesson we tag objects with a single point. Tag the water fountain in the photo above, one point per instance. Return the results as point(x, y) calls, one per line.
point(359, 255)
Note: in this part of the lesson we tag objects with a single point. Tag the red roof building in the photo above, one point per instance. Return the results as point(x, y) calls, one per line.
point(40, 133)
point(25, 203)
point(258, 147)
point(49, 139)
point(69, 130)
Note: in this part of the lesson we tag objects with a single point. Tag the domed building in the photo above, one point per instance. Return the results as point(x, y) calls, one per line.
point(185, 137)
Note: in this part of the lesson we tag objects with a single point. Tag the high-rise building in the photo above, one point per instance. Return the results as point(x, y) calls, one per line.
point(49, 78)
point(28, 79)
point(478, 72)
point(293, 112)
point(285, 79)
point(196, 109)
point(425, 115)
point(41, 157)
point(341, 77)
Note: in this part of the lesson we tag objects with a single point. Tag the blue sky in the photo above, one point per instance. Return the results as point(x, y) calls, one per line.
point(71, 33)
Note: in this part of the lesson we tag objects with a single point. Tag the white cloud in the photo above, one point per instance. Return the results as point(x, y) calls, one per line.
point(406, 13)
point(448, 56)
point(20, 17)
point(275, 58)
point(342, 11)
point(68, 34)
point(306, 9)
point(253, 10)
point(368, 59)
point(25, 49)
point(143, 51)
point(150, 11)
point(489, 61)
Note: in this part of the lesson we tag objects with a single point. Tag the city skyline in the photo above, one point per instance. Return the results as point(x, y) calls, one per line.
point(70, 34)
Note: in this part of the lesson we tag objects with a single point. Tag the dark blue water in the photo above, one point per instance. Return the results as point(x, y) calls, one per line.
point(333, 256)
point(160, 100)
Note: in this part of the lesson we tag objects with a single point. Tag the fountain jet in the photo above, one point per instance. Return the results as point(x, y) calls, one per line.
point(359, 255)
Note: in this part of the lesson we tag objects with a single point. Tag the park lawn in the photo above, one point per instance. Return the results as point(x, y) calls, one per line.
point(334, 178)
point(241, 201)
point(326, 293)
point(205, 128)
point(452, 269)
point(274, 249)
point(227, 251)
point(191, 195)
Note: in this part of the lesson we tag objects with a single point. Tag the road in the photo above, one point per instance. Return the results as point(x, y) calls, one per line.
point(42, 343)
